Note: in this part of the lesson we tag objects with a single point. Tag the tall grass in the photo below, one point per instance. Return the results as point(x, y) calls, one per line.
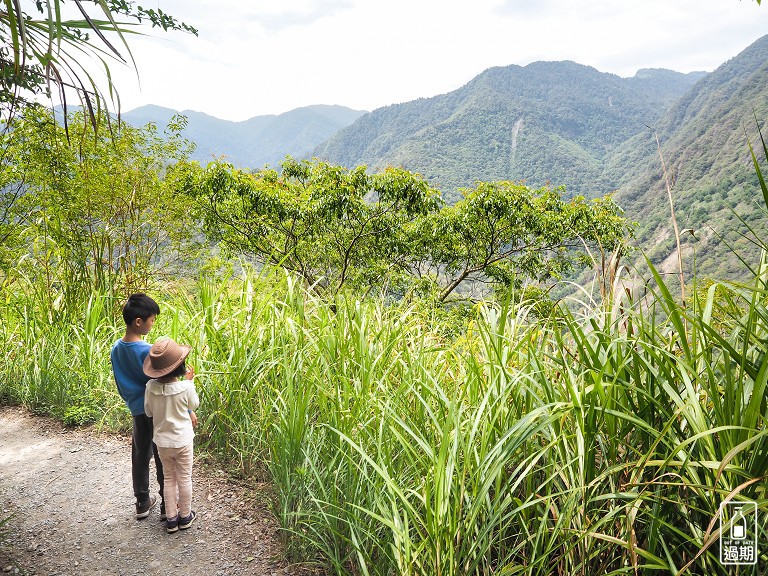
point(56, 361)
point(597, 442)
point(602, 443)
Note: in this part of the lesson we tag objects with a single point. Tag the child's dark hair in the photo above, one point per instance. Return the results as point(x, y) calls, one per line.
point(181, 370)
point(139, 305)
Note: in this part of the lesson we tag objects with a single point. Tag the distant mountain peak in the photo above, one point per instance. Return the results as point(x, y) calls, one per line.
point(258, 141)
point(574, 116)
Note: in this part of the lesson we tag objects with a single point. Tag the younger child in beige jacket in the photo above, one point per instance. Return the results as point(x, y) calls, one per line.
point(170, 400)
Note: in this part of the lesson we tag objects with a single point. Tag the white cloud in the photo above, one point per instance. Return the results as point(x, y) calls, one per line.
point(252, 58)
point(302, 15)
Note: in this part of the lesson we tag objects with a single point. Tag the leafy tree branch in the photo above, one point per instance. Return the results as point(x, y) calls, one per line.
point(390, 233)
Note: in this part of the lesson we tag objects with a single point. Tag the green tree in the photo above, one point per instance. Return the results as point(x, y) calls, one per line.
point(502, 234)
point(333, 227)
point(389, 233)
point(42, 53)
point(93, 212)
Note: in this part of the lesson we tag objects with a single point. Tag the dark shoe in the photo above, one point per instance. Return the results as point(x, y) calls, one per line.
point(163, 515)
point(172, 524)
point(185, 523)
point(142, 510)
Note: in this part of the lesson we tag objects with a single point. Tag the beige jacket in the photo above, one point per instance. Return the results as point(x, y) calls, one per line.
point(167, 404)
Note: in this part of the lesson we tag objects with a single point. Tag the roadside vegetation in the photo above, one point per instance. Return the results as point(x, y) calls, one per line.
point(404, 429)
point(392, 366)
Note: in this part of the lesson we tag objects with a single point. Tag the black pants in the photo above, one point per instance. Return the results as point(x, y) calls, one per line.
point(142, 450)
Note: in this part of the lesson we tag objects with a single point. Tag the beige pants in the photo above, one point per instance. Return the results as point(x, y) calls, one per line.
point(177, 466)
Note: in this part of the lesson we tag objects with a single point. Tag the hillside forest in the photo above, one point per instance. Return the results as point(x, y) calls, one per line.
point(549, 123)
point(341, 361)
point(566, 124)
point(417, 377)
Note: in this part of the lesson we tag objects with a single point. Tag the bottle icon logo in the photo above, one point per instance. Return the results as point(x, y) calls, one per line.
point(738, 533)
point(739, 527)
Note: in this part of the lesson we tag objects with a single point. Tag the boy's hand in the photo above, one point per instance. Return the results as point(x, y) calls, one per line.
point(193, 416)
point(190, 373)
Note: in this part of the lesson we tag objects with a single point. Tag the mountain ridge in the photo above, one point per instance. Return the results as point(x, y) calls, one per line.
point(256, 142)
point(564, 123)
point(704, 139)
point(562, 114)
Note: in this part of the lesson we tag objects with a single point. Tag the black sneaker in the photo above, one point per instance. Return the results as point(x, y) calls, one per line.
point(172, 524)
point(185, 523)
point(142, 510)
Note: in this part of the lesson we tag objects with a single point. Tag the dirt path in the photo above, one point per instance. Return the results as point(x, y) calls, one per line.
point(71, 497)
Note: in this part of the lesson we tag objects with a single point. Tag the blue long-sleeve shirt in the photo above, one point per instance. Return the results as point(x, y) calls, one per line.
point(128, 367)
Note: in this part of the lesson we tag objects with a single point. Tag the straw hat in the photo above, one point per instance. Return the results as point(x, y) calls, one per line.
point(164, 357)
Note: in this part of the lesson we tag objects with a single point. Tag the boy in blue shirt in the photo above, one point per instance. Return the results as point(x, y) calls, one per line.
point(127, 356)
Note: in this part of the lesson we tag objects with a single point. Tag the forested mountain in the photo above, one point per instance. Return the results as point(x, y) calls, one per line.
point(559, 123)
point(704, 143)
point(552, 122)
point(255, 142)
point(566, 124)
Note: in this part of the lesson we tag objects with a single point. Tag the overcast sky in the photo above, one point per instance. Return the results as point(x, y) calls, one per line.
point(254, 57)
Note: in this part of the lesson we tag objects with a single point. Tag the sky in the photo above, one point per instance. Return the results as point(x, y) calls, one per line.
point(254, 57)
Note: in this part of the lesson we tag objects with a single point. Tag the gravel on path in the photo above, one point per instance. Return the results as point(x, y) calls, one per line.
point(70, 497)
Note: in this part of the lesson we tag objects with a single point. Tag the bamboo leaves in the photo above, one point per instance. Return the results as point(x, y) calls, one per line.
point(45, 50)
